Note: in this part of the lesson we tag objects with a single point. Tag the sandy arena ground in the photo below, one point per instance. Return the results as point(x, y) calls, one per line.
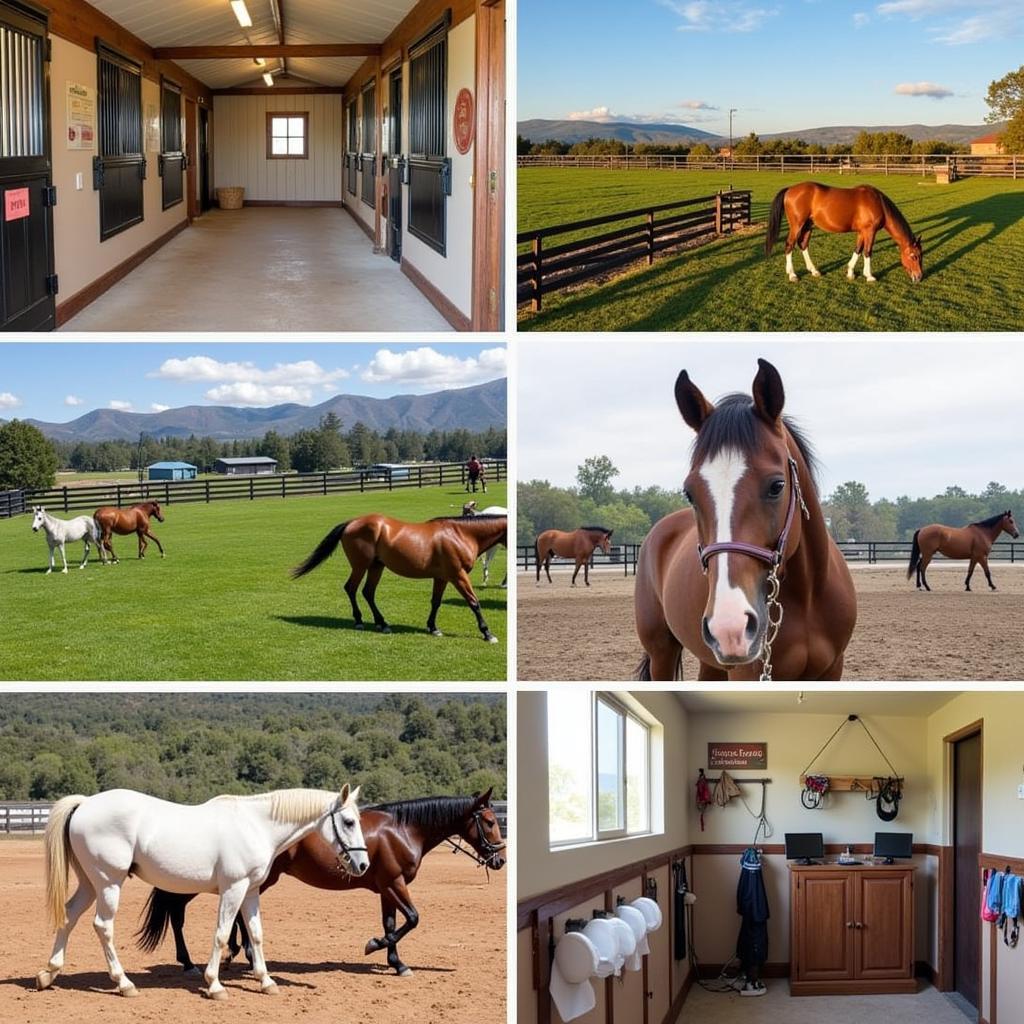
point(314, 945)
point(901, 634)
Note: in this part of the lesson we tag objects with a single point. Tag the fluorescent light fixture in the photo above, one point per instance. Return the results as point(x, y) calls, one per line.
point(241, 13)
point(259, 61)
point(268, 78)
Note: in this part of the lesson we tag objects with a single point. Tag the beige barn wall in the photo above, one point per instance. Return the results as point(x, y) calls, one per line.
point(79, 254)
point(541, 868)
point(240, 148)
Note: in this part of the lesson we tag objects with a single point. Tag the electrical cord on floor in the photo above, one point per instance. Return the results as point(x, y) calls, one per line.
point(725, 982)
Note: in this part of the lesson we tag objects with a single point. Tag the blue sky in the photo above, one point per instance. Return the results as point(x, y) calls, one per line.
point(58, 382)
point(783, 64)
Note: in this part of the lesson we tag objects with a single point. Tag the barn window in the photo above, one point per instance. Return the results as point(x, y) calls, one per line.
point(22, 91)
point(172, 153)
point(120, 168)
point(352, 149)
point(429, 169)
point(288, 136)
point(369, 159)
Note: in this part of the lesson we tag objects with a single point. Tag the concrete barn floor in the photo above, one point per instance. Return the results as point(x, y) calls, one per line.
point(264, 269)
point(928, 1006)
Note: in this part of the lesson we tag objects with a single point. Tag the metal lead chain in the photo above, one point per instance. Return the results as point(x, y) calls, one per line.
point(774, 611)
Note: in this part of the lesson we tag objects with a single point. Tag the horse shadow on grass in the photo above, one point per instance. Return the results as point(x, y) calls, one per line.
point(346, 624)
point(994, 213)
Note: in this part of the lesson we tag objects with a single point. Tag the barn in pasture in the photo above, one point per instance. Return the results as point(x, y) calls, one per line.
point(987, 145)
point(254, 465)
point(285, 165)
point(171, 471)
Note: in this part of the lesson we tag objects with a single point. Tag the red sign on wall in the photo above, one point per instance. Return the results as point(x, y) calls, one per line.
point(737, 755)
point(16, 204)
point(463, 123)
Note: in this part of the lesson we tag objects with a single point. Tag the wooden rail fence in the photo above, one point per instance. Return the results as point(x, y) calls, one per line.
point(284, 485)
point(955, 166)
point(23, 816)
point(628, 237)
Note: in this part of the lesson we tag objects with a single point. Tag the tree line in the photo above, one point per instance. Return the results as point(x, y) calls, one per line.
point(191, 747)
point(849, 510)
point(28, 459)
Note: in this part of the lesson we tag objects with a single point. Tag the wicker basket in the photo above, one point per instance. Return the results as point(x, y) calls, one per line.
point(231, 198)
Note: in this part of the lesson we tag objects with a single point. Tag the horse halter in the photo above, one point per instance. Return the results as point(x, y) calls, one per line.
point(345, 848)
point(774, 557)
point(490, 850)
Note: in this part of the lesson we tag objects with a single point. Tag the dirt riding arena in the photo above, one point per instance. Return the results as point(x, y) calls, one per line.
point(575, 633)
point(314, 945)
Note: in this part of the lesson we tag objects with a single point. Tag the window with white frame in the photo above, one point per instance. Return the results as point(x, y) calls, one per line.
point(599, 768)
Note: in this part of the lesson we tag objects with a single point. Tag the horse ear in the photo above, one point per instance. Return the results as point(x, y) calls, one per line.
point(769, 394)
point(353, 797)
point(693, 406)
point(609, 533)
point(483, 799)
point(343, 795)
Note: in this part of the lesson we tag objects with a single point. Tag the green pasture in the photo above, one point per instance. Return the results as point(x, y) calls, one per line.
point(222, 606)
point(973, 233)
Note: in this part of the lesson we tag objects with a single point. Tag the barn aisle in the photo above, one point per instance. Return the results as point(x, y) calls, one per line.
point(264, 269)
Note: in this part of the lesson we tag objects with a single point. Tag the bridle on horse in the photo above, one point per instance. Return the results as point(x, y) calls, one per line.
point(490, 850)
point(774, 557)
point(345, 848)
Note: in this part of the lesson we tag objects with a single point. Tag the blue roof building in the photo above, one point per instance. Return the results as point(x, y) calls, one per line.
point(172, 471)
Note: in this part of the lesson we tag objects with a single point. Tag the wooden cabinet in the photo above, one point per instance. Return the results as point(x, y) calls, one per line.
point(851, 929)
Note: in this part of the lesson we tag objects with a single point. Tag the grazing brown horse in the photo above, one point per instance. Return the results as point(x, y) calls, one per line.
point(111, 519)
point(972, 542)
point(578, 545)
point(444, 549)
point(863, 209)
point(397, 836)
point(751, 564)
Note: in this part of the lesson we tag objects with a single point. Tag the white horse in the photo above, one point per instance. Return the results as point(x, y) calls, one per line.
point(60, 531)
point(226, 846)
point(470, 509)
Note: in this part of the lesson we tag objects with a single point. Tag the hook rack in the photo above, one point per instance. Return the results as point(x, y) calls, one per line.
point(741, 782)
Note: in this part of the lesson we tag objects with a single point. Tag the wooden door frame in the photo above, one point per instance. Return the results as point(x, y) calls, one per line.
point(947, 898)
point(192, 152)
point(489, 154)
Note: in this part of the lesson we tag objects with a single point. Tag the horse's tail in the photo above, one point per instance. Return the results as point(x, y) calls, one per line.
point(322, 551)
point(59, 858)
point(915, 556)
point(156, 918)
point(536, 551)
point(775, 220)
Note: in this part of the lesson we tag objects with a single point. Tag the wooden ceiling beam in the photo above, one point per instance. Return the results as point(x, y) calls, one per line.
point(247, 52)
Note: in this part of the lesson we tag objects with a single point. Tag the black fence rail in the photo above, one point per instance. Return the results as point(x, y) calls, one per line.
point(545, 264)
point(23, 816)
point(622, 558)
point(283, 485)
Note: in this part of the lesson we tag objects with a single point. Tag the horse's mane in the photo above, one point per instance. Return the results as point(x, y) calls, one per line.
point(428, 810)
point(595, 529)
point(733, 424)
point(892, 211)
point(293, 805)
point(478, 517)
point(992, 520)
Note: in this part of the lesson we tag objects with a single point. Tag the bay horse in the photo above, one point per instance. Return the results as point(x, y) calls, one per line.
point(398, 836)
point(60, 531)
point(226, 845)
point(470, 509)
point(112, 519)
point(864, 209)
point(578, 544)
point(444, 549)
point(749, 573)
point(972, 542)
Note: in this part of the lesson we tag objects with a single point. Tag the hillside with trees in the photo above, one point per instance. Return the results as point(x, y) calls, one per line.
point(189, 747)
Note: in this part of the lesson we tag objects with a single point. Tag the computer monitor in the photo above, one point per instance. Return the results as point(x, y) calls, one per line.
point(804, 847)
point(890, 845)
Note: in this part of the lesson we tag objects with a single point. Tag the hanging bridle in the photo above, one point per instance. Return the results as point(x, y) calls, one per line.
point(774, 557)
point(489, 850)
point(345, 848)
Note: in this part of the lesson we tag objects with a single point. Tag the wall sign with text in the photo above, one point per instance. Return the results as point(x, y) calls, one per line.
point(737, 755)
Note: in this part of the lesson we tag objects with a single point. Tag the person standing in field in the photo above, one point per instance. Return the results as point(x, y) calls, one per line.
point(475, 471)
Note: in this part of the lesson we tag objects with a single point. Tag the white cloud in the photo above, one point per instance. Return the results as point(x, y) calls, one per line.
point(597, 114)
point(936, 92)
point(428, 367)
point(721, 16)
point(960, 22)
point(120, 406)
point(250, 393)
point(72, 400)
point(606, 115)
point(695, 105)
point(157, 407)
point(860, 19)
point(9, 401)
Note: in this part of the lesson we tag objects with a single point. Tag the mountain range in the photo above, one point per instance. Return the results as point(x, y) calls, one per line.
point(473, 408)
point(539, 130)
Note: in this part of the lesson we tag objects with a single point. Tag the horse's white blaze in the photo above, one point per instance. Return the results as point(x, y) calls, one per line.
point(727, 622)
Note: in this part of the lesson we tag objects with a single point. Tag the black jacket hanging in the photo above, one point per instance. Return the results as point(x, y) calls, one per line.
point(752, 906)
point(680, 887)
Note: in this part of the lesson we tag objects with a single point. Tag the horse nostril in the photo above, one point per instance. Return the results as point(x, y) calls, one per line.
point(752, 624)
point(705, 633)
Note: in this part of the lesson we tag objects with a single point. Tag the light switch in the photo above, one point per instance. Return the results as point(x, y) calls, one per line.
point(79, 181)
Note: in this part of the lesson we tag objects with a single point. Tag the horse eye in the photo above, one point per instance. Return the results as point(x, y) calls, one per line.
point(775, 488)
point(349, 822)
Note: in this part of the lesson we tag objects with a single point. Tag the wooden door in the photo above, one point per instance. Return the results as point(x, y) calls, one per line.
point(192, 159)
point(967, 770)
point(489, 168)
point(825, 909)
point(883, 927)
